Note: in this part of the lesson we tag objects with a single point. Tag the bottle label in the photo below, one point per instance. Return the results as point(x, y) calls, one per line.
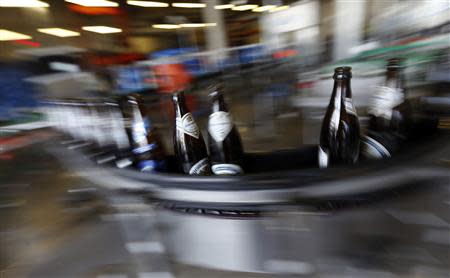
point(219, 125)
point(188, 125)
point(226, 169)
point(384, 100)
point(323, 157)
point(200, 168)
point(349, 107)
point(140, 130)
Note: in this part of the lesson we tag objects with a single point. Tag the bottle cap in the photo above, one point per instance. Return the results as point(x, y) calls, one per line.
point(215, 90)
point(348, 71)
point(342, 72)
point(178, 95)
point(393, 63)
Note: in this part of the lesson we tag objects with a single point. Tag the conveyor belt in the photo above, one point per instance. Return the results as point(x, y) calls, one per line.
point(284, 185)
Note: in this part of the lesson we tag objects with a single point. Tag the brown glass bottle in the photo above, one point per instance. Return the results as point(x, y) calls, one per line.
point(225, 146)
point(388, 115)
point(340, 132)
point(386, 98)
point(146, 147)
point(189, 146)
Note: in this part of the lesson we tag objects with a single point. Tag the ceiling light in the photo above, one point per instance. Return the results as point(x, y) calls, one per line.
point(280, 8)
point(196, 25)
point(188, 5)
point(6, 35)
point(94, 3)
point(148, 4)
point(23, 4)
point(244, 7)
point(59, 32)
point(166, 26)
point(263, 8)
point(223, 7)
point(101, 29)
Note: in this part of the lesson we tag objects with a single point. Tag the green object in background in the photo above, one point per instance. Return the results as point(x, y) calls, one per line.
point(417, 56)
point(31, 117)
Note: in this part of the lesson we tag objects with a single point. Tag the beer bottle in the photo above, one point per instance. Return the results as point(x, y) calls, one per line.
point(387, 115)
point(224, 142)
point(146, 147)
point(189, 147)
point(388, 96)
point(339, 137)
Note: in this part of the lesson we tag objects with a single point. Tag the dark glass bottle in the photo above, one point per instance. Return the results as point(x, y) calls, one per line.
point(339, 137)
point(189, 146)
point(388, 115)
point(387, 97)
point(224, 142)
point(146, 147)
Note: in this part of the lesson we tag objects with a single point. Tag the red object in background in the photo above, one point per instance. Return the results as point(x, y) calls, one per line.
point(6, 156)
point(172, 77)
point(19, 140)
point(28, 43)
point(305, 85)
point(408, 40)
point(285, 53)
point(166, 105)
point(94, 10)
point(114, 59)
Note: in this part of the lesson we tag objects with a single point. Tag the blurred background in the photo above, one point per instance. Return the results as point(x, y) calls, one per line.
point(275, 59)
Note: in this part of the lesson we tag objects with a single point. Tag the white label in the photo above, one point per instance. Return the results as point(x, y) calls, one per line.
point(219, 125)
point(384, 100)
point(188, 125)
point(139, 131)
point(323, 158)
point(226, 169)
point(199, 168)
point(349, 107)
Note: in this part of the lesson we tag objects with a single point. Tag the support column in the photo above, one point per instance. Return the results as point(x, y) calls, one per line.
point(216, 37)
point(348, 26)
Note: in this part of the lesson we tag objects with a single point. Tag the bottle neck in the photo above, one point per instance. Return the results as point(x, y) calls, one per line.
point(179, 105)
point(136, 112)
point(347, 88)
point(393, 79)
point(341, 89)
point(132, 107)
point(218, 104)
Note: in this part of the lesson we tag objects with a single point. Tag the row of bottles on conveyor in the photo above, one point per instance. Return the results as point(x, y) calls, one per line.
point(389, 120)
point(123, 128)
point(121, 131)
point(224, 143)
point(111, 131)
